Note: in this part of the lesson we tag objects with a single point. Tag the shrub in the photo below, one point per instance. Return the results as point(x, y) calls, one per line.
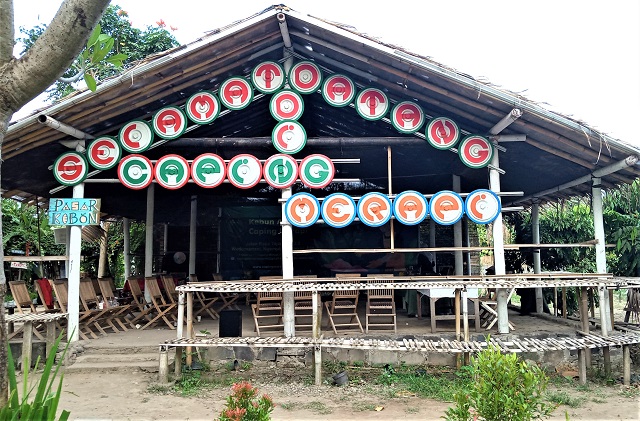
point(42, 406)
point(503, 388)
point(242, 404)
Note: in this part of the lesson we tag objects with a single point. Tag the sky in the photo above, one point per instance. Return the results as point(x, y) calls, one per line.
point(580, 58)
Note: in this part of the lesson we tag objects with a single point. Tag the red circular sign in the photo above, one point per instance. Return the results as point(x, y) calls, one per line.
point(407, 117)
point(104, 153)
point(202, 108)
point(286, 105)
point(236, 93)
point(268, 77)
point(70, 168)
point(135, 172)
point(475, 151)
point(289, 137)
point(338, 90)
point(372, 104)
point(442, 133)
point(169, 122)
point(136, 136)
point(305, 77)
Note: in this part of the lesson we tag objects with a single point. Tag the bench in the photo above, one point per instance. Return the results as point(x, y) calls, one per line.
point(30, 320)
point(513, 345)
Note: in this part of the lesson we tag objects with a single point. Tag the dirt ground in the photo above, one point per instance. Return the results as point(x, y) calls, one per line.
point(135, 395)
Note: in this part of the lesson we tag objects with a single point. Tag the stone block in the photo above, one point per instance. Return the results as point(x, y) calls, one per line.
point(244, 353)
point(382, 357)
point(412, 358)
point(441, 358)
point(267, 354)
point(220, 353)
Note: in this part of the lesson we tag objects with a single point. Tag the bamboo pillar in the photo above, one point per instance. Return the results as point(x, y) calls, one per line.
point(498, 248)
point(287, 269)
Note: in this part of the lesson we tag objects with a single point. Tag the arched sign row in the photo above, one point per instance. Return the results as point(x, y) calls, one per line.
point(207, 170)
point(376, 209)
point(286, 106)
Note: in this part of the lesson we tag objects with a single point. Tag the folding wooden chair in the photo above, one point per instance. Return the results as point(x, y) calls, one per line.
point(303, 303)
point(228, 298)
point(205, 301)
point(344, 303)
point(61, 289)
point(268, 307)
point(144, 308)
point(23, 300)
point(489, 311)
point(161, 308)
point(380, 304)
point(45, 292)
point(110, 301)
point(97, 313)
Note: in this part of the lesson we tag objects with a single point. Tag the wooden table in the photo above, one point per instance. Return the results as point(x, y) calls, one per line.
point(31, 319)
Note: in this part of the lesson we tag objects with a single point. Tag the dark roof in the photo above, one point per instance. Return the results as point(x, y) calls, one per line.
point(557, 149)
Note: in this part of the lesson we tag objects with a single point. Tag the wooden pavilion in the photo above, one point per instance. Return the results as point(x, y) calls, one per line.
point(252, 126)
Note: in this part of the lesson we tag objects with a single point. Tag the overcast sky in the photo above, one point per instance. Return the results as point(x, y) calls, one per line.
point(578, 57)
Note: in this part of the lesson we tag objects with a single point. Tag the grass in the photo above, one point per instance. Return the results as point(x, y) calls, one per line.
point(318, 408)
point(363, 406)
point(432, 382)
point(288, 406)
point(563, 398)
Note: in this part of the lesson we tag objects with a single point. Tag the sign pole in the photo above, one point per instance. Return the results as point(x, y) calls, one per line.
point(73, 272)
point(126, 228)
point(193, 226)
point(148, 238)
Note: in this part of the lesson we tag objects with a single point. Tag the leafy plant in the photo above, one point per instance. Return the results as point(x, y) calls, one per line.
point(243, 405)
point(44, 404)
point(503, 388)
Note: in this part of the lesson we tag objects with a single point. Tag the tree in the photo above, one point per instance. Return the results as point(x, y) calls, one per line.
point(129, 45)
point(22, 79)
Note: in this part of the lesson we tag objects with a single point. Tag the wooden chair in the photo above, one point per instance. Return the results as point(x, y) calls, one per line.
point(161, 308)
point(489, 311)
point(23, 300)
point(45, 292)
point(303, 303)
point(228, 298)
point(344, 303)
point(121, 310)
point(268, 307)
point(380, 304)
point(98, 313)
point(143, 307)
point(205, 301)
point(61, 289)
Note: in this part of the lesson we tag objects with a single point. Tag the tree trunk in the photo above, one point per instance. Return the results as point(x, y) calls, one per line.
point(23, 79)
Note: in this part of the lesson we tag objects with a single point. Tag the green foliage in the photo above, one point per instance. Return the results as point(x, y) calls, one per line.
point(44, 404)
point(242, 404)
point(503, 388)
point(113, 45)
point(441, 385)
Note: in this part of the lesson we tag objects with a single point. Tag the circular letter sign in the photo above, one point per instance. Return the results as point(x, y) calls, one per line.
point(244, 171)
point(302, 210)
point(135, 172)
point(236, 93)
point(70, 168)
point(136, 136)
point(169, 122)
point(267, 77)
point(374, 209)
point(286, 105)
point(410, 207)
point(482, 206)
point(289, 137)
point(475, 151)
point(280, 171)
point(407, 117)
point(203, 107)
point(338, 90)
point(316, 171)
point(171, 171)
point(305, 77)
point(446, 207)
point(208, 170)
point(442, 133)
point(104, 153)
point(372, 104)
point(338, 210)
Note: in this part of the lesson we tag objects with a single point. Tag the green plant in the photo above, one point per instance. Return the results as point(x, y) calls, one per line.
point(563, 398)
point(243, 405)
point(503, 388)
point(42, 406)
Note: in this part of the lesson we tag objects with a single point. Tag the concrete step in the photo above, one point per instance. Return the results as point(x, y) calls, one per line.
point(120, 350)
point(116, 358)
point(93, 360)
point(92, 367)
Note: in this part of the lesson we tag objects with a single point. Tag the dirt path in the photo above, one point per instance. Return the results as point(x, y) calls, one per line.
point(133, 395)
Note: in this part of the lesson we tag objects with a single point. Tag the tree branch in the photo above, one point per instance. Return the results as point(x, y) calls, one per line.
point(52, 53)
point(6, 31)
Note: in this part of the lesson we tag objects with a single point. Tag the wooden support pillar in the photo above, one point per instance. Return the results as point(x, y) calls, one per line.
point(537, 264)
point(288, 317)
point(163, 370)
point(584, 319)
point(626, 365)
point(126, 239)
point(148, 238)
point(582, 366)
point(27, 342)
point(564, 302)
point(189, 334)
point(51, 336)
point(193, 229)
point(611, 317)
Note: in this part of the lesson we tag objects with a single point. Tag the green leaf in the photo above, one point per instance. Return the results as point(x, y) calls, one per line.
point(91, 82)
point(93, 38)
point(101, 52)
